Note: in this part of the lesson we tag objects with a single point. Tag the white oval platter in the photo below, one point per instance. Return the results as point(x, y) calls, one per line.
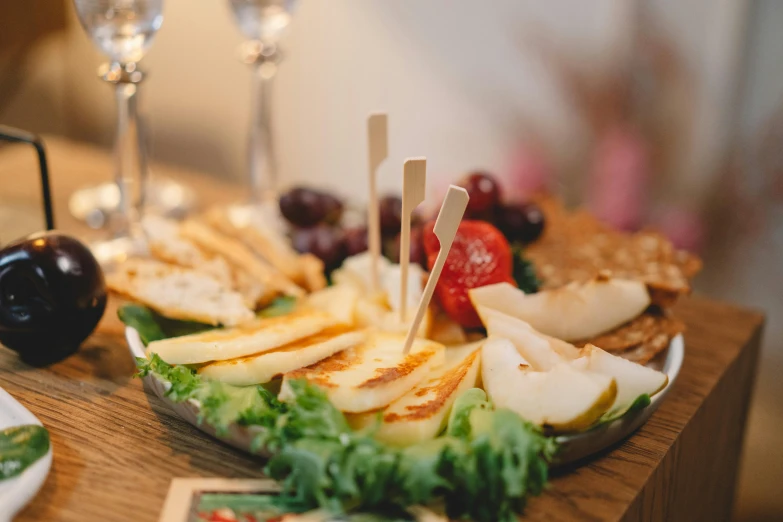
point(16, 492)
point(572, 447)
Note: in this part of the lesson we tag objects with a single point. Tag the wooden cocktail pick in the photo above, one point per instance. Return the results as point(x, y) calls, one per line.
point(378, 150)
point(414, 182)
point(446, 226)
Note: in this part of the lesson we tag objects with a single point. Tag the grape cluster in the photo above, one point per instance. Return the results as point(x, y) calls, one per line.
point(316, 220)
point(519, 222)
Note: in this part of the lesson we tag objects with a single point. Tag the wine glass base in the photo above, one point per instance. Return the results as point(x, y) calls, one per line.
point(97, 204)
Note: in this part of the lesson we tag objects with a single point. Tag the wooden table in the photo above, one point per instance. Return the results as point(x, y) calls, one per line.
point(116, 448)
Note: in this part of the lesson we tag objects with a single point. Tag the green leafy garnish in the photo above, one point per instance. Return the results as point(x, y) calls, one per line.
point(523, 271)
point(638, 404)
point(482, 468)
point(20, 447)
point(279, 306)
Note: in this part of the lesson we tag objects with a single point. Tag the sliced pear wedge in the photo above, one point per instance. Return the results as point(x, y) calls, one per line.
point(422, 413)
point(632, 379)
point(540, 351)
point(563, 398)
point(575, 311)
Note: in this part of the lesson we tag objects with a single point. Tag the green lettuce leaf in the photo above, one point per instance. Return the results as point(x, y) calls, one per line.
point(523, 271)
point(20, 447)
point(154, 327)
point(482, 468)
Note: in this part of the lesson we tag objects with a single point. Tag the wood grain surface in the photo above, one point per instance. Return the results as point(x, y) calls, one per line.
point(117, 448)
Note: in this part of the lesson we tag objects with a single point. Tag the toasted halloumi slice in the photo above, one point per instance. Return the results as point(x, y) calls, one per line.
point(179, 293)
point(240, 257)
point(165, 244)
point(263, 367)
point(338, 300)
point(261, 335)
point(265, 241)
point(422, 413)
point(372, 375)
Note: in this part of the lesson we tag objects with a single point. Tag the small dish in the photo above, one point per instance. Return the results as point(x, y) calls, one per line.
point(16, 492)
point(572, 447)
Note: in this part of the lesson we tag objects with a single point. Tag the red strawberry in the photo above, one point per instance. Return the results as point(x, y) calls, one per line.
point(479, 256)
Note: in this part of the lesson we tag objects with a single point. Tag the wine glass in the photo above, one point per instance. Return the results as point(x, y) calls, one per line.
point(263, 22)
point(123, 30)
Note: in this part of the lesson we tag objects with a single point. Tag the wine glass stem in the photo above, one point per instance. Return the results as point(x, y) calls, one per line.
point(263, 167)
point(130, 161)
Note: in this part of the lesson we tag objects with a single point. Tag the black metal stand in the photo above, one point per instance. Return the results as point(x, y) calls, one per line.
point(19, 136)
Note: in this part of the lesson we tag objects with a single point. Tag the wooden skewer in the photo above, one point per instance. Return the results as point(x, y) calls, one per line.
point(378, 150)
point(446, 226)
point(414, 182)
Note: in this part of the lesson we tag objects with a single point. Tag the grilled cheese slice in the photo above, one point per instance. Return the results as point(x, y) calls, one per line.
point(422, 413)
point(242, 258)
point(179, 293)
point(372, 375)
point(258, 336)
point(262, 368)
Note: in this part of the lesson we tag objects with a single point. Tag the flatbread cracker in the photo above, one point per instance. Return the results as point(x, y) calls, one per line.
point(640, 339)
point(575, 246)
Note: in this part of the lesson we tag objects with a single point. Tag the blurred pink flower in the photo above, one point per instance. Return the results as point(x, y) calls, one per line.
point(618, 178)
point(684, 227)
point(530, 173)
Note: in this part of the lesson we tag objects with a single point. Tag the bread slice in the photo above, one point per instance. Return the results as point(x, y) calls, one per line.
point(242, 258)
point(256, 337)
point(179, 293)
point(262, 239)
point(165, 244)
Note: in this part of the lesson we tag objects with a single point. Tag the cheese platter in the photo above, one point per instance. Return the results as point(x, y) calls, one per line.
point(522, 334)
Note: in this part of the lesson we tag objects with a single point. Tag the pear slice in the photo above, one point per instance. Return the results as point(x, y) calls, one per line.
point(563, 398)
point(541, 351)
point(632, 379)
point(575, 311)
point(371, 375)
point(422, 413)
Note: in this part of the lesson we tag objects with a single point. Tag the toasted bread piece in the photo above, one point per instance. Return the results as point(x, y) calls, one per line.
point(263, 367)
point(179, 293)
point(576, 247)
point(313, 272)
point(372, 375)
point(258, 336)
point(241, 258)
point(165, 244)
point(264, 240)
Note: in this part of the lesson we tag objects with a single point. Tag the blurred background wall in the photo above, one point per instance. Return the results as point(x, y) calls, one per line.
point(665, 112)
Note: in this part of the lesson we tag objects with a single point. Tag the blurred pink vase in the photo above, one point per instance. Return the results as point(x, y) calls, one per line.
point(683, 227)
point(618, 178)
point(530, 173)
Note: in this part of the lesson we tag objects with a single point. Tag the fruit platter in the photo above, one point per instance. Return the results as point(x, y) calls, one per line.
point(446, 361)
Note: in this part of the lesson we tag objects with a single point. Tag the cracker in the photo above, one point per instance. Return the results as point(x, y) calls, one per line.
point(575, 246)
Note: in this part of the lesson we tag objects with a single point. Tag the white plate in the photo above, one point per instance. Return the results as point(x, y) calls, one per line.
point(573, 447)
point(18, 491)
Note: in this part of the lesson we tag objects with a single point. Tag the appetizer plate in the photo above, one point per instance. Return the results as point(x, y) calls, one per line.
point(573, 447)
point(16, 492)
